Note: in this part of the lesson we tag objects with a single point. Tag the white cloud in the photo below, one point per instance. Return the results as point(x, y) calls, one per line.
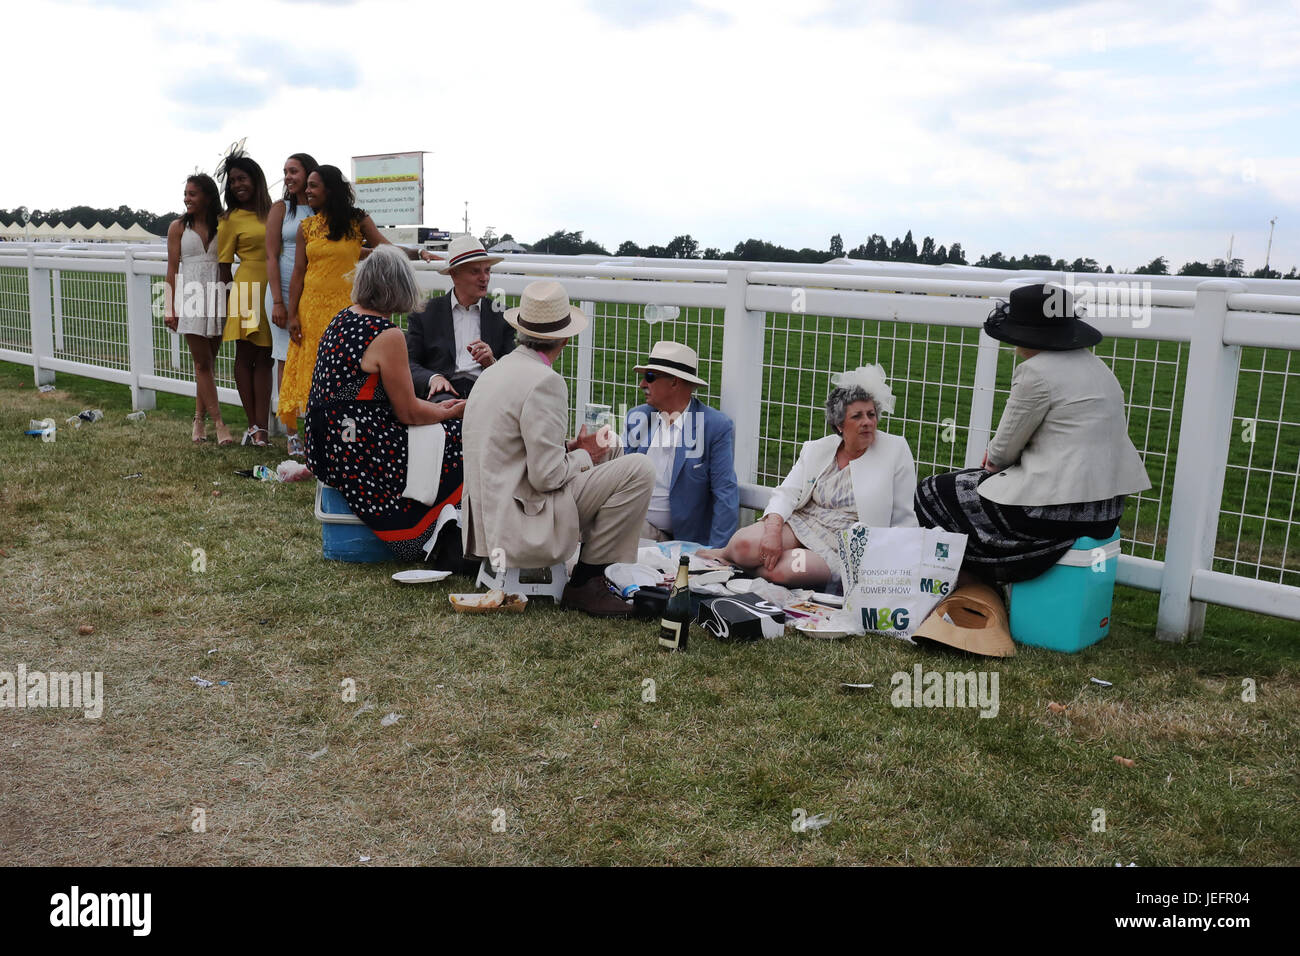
point(1101, 129)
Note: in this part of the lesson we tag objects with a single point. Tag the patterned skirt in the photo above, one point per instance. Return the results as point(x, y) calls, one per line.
point(1008, 543)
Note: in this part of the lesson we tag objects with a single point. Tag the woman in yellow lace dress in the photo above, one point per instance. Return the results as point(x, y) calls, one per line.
point(241, 234)
point(329, 245)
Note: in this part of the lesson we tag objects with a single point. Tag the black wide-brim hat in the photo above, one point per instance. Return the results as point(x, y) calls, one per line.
point(1041, 317)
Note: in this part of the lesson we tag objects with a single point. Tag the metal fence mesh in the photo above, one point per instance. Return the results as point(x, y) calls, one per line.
point(929, 368)
point(15, 310)
point(90, 318)
point(1259, 527)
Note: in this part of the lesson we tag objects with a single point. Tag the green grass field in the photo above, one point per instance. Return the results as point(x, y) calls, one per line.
point(538, 723)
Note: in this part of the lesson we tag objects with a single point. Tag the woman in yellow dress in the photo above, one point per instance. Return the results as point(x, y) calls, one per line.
point(328, 247)
point(242, 234)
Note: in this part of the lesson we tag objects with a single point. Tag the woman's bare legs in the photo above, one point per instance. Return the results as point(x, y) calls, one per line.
point(214, 408)
point(262, 387)
point(204, 352)
point(245, 366)
point(798, 567)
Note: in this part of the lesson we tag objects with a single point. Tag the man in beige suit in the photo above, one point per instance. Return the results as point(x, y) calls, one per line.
point(530, 495)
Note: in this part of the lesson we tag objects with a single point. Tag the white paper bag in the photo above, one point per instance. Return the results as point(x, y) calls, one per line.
point(424, 447)
point(894, 577)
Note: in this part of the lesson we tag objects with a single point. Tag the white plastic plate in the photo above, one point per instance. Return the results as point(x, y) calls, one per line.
point(420, 576)
point(820, 633)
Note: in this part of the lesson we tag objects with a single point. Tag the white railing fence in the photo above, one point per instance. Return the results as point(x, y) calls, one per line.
point(1210, 368)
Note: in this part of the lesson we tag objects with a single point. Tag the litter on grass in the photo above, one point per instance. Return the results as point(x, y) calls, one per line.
point(1103, 683)
point(389, 719)
point(318, 754)
point(816, 822)
point(138, 474)
point(848, 688)
point(204, 684)
point(364, 708)
point(290, 470)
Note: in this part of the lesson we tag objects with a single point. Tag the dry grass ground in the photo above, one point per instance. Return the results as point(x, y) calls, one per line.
point(541, 715)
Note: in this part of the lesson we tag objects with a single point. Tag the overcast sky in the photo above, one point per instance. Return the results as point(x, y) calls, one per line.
point(1120, 131)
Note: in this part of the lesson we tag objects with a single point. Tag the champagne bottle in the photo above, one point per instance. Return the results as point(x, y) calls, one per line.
point(674, 626)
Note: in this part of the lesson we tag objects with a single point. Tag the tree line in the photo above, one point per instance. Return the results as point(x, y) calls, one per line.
point(570, 243)
point(89, 216)
point(876, 248)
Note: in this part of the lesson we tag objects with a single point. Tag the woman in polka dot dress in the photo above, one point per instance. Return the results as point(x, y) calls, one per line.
point(361, 401)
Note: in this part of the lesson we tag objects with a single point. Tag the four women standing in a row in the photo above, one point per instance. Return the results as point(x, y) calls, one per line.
point(295, 257)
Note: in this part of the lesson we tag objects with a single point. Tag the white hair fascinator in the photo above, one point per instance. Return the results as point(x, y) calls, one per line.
point(871, 379)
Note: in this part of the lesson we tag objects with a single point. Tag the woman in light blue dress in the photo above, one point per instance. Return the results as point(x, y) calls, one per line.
point(281, 235)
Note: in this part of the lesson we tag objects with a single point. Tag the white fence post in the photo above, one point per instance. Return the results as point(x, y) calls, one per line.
point(582, 380)
point(980, 425)
point(139, 332)
point(38, 302)
point(56, 286)
point(743, 332)
point(1209, 392)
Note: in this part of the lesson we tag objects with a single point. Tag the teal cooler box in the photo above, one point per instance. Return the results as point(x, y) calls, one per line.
point(1068, 607)
point(344, 536)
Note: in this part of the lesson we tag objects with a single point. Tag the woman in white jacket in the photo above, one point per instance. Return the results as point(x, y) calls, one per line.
point(858, 474)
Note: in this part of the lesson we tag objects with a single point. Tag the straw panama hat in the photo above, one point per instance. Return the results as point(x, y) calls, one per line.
point(464, 250)
point(979, 622)
point(545, 313)
point(672, 358)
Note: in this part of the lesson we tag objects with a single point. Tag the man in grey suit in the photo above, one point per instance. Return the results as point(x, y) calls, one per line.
point(530, 495)
point(458, 335)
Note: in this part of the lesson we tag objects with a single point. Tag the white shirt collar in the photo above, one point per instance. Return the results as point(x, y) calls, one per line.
point(455, 303)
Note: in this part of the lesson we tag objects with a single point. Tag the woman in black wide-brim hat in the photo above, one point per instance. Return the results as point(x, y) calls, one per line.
point(1060, 464)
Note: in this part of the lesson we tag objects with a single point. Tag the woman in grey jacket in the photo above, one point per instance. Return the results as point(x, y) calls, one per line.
point(1061, 462)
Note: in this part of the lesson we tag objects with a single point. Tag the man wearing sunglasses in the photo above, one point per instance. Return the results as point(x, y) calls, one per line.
point(691, 446)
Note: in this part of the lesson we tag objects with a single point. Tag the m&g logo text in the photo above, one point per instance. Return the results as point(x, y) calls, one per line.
point(885, 619)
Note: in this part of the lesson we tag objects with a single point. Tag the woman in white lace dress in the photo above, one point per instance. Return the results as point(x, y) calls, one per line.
point(196, 308)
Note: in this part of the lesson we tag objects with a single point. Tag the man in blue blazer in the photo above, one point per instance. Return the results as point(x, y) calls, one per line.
point(691, 445)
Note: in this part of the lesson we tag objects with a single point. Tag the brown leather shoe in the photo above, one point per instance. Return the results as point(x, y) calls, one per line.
point(595, 598)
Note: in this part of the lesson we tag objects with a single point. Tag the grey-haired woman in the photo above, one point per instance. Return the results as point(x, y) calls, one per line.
point(361, 401)
point(857, 474)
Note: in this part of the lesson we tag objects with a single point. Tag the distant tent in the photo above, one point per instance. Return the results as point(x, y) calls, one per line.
point(507, 247)
point(42, 230)
point(117, 233)
point(97, 231)
point(138, 233)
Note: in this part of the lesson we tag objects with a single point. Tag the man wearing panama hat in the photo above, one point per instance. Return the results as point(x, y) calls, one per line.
point(691, 446)
point(458, 335)
point(530, 495)
point(1060, 464)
